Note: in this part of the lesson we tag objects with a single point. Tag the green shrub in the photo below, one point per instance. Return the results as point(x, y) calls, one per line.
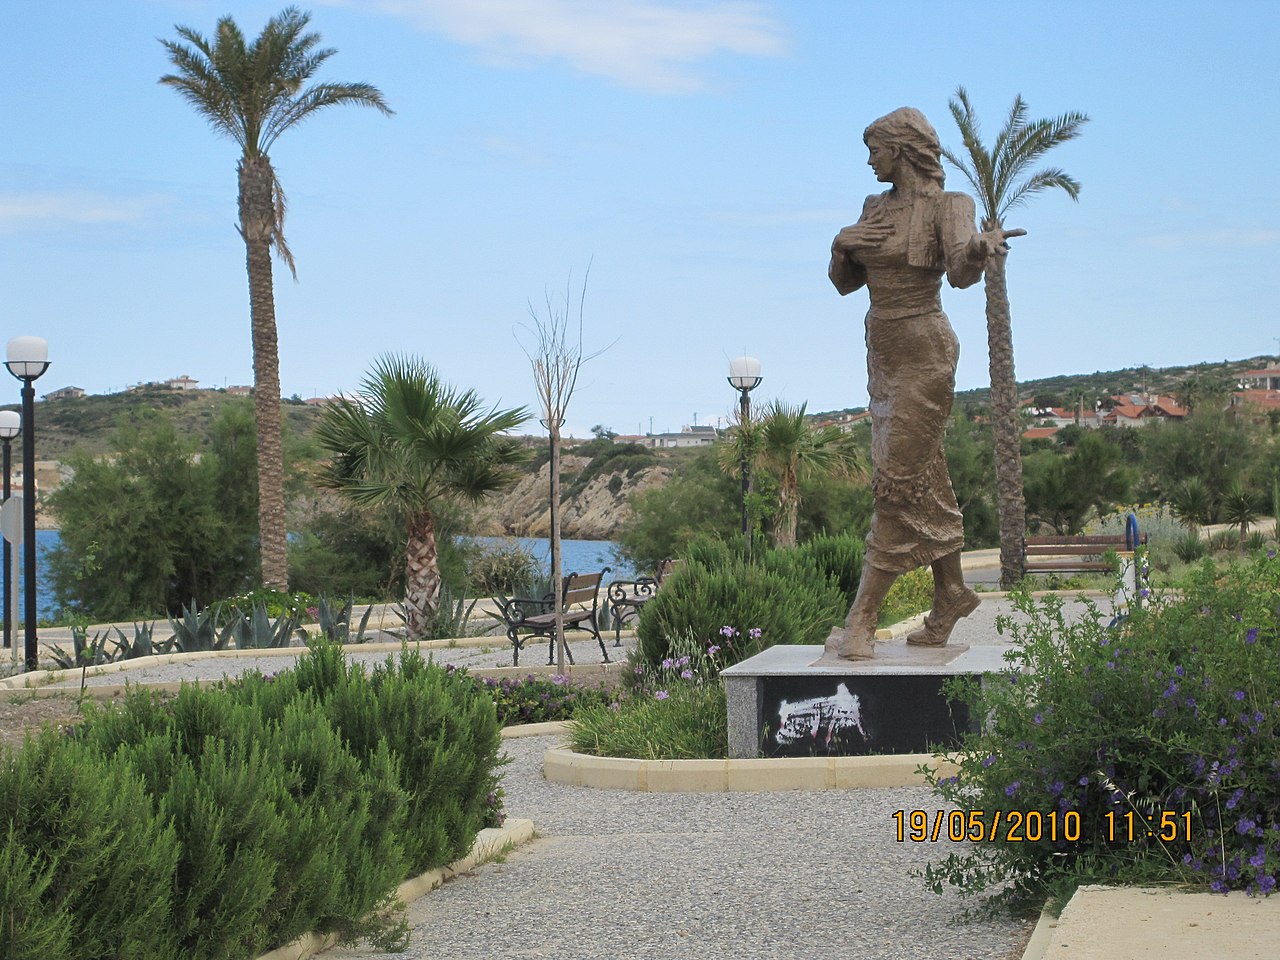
point(87, 863)
point(1189, 548)
point(503, 570)
point(1173, 711)
point(440, 727)
point(682, 723)
point(910, 594)
point(282, 830)
point(784, 593)
point(840, 558)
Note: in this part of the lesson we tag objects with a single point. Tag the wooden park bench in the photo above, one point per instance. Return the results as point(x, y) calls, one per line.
point(526, 617)
point(628, 597)
point(1074, 554)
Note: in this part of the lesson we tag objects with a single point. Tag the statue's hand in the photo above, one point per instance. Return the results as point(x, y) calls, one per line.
point(992, 242)
point(862, 235)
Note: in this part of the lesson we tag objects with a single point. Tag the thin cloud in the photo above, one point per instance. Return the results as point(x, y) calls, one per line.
point(45, 210)
point(1215, 238)
point(654, 46)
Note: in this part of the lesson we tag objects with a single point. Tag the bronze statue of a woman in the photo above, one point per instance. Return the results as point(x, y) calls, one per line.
point(905, 241)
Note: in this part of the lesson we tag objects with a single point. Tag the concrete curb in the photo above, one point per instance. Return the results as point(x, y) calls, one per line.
point(490, 843)
point(546, 729)
point(755, 775)
point(41, 682)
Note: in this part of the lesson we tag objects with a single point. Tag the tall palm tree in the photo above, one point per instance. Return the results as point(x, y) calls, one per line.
point(252, 93)
point(412, 444)
point(1000, 180)
point(783, 443)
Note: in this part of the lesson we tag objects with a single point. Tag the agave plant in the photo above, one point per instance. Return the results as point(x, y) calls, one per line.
point(198, 631)
point(85, 652)
point(256, 630)
point(335, 621)
point(143, 644)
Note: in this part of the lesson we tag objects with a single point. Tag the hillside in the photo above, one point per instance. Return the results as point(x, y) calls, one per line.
point(86, 423)
point(1168, 381)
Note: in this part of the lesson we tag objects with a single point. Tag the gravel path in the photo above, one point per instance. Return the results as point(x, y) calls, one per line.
point(685, 875)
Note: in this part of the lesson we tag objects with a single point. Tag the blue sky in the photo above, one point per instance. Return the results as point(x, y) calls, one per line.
point(700, 156)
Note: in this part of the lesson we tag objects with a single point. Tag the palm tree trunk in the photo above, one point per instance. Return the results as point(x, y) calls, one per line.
point(421, 574)
point(1004, 424)
point(788, 510)
point(257, 220)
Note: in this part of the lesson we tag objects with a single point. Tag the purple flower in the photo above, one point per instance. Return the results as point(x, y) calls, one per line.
point(661, 695)
point(1083, 781)
point(989, 760)
point(666, 664)
point(755, 633)
point(1259, 859)
point(728, 631)
point(1038, 718)
point(686, 674)
point(1266, 882)
point(1251, 635)
point(712, 650)
point(1239, 694)
point(1179, 670)
point(1012, 788)
point(1217, 886)
point(1144, 592)
point(1235, 798)
point(1245, 826)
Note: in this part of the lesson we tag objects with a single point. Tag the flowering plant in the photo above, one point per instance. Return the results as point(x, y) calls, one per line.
point(1174, 710)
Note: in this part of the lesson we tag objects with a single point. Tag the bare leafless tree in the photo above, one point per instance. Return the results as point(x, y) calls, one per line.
point(554, 350)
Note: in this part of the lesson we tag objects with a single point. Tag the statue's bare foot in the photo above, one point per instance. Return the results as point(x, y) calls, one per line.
point(943, 618)
point(849, 645)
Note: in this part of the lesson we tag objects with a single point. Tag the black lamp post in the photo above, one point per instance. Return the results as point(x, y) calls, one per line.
point(10, 427)
point(744, 376)
point(27, 359)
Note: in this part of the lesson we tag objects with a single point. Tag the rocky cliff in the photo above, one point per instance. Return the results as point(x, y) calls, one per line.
point(594, 512)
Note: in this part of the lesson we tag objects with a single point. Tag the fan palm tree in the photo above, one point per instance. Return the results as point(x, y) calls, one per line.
point(783, 443)
point(252, 93)
point(412, 444)
point(1000, 180)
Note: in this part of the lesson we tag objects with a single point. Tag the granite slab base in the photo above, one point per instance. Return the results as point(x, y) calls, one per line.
point(791, 701)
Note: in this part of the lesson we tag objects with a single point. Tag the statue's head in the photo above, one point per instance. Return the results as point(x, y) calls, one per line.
point(907, 137)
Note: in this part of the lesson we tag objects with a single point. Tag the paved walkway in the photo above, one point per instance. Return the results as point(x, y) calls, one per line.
point(700, 876)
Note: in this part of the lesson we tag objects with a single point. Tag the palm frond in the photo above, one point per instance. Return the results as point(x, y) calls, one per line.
point(1037, 182)
point(994, 173)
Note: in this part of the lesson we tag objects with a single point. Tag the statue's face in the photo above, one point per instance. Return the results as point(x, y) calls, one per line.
point(883, 159)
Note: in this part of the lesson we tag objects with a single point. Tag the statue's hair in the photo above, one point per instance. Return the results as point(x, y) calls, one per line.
point(915, 139)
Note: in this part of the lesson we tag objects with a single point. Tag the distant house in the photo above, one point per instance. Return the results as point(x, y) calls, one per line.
point(319, 401)
point(181, 383)
point(1138, 409)
point(1268, 379)
point(687, 437)
point(239, 391)
point(65, 393)
point(846, 423)
point(1062, 417)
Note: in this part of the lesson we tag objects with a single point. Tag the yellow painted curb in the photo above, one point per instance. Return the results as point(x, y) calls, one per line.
point(759, 775)
point(490, 843)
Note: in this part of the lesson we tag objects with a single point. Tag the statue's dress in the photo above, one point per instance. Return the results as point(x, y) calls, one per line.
point(911, 365)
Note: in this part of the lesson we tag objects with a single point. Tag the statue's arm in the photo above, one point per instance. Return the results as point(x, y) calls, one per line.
point(846, 273)
point(963, 249)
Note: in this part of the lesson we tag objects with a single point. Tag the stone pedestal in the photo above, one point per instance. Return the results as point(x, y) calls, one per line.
point(789, 701)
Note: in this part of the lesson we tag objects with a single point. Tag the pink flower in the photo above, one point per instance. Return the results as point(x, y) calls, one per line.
point(661, 695)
